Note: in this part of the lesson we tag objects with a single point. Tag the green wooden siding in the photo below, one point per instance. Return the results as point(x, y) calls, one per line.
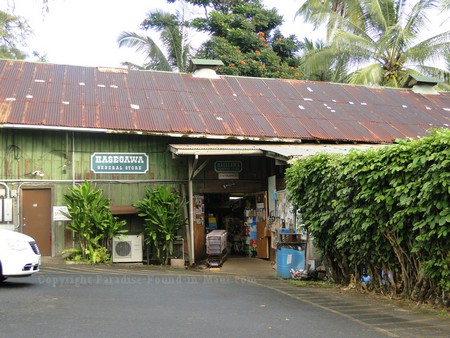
point(23, 152)
point(50, 152)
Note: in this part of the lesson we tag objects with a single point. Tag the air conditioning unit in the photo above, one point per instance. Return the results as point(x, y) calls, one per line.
point(127, 249)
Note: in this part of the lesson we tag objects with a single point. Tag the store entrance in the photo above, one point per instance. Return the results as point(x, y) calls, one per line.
point(244, 217)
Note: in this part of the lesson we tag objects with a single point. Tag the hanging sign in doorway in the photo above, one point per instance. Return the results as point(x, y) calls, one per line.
point(119, 163)
point(228, 166)
point(228, 176)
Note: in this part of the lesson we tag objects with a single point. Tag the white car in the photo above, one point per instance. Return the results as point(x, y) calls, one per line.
point(19, 255)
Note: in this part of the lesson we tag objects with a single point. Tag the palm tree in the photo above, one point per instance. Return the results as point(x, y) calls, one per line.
point(309, 48)
point(330, 12)
point(155, 58)
point(173, 37)
point(382, 46)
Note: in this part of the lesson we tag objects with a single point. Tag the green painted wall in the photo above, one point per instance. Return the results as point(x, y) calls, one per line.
point(64, 158)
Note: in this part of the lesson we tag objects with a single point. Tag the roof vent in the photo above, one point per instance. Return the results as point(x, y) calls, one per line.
point(205, 68)
point(422, 84)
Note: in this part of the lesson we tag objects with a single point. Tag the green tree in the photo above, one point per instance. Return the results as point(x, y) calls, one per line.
point(328, 12)
point(155, 58)
point(14, 30)
point(379, 42)
point(223, 6)
point(175, 50)
point(246, 37)
point(309, 48)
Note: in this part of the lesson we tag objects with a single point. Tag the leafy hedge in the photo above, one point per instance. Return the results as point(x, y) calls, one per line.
point(384, 212)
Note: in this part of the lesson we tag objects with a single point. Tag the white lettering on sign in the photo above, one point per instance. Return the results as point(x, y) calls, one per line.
point(118, 159)
point(127, 168)
point(119, 163)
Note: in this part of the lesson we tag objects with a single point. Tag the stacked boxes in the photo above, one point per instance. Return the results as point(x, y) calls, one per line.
point(216, 242)
point(216, 247)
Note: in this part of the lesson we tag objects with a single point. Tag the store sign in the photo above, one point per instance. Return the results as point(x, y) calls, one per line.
point(228, 176)
point(119, 163)
point(228, 166)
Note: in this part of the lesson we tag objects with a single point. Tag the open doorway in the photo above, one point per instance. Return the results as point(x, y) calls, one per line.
point(244, 217)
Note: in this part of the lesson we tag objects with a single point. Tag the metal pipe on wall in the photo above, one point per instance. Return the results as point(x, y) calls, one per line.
point(73, 158)
point(7, 193)
point(191, 214)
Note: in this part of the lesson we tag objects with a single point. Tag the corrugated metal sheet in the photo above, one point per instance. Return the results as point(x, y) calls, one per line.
point(76, 97)
point(283, 151)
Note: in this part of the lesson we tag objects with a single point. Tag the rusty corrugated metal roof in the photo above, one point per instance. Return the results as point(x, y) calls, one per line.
point(87, 98)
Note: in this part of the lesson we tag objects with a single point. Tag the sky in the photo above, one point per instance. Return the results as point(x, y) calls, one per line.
point(84, 32)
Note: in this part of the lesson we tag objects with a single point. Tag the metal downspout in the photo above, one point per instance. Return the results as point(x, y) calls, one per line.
point(191, 213)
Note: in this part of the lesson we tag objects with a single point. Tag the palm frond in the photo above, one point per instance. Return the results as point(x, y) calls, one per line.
point(439, 73)
point(432, 50)
point(146, 45)
point(368, 76)
point(379, 35)
point(172, 35)
point(417, 19)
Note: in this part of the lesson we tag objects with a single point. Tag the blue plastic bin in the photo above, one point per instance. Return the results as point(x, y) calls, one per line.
point(289, 257)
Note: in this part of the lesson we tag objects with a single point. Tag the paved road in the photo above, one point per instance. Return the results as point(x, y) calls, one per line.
point(86, 301)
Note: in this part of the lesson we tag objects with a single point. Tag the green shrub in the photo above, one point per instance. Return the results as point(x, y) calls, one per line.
point(92, 223)
point(383, 211)
point(162, 210)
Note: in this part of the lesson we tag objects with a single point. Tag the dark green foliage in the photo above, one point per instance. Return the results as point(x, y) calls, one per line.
point(245, 36)
point(92, 222)
point(14, 30)
point(162, 210)
point(382, 210)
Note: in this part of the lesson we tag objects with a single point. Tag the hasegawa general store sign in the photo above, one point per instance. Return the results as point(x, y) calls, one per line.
point(119, 163)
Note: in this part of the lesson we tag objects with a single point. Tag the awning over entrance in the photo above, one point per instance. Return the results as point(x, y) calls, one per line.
point(284, 152)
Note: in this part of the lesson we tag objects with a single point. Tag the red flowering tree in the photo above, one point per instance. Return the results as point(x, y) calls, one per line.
point(246, 37)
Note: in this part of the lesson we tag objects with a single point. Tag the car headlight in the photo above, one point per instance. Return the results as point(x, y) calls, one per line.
point(17, 244)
